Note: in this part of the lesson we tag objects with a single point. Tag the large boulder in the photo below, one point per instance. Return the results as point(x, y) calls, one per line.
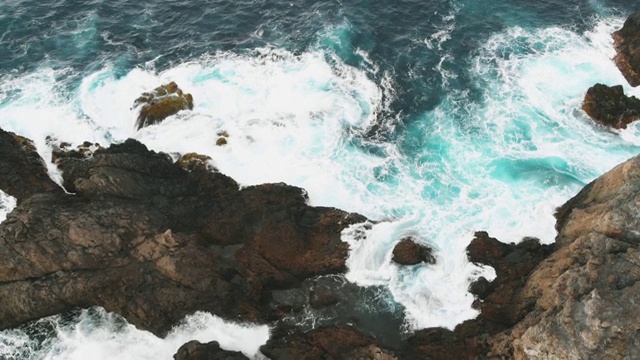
point(152, 241)
point(409, 252)
point(162, 102)
point(609, 106)
point(627, 44)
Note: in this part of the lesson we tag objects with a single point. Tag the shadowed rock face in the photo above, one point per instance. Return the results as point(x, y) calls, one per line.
point(154, 242)
point(627, 44)
point(162, 102)
point(609, 106)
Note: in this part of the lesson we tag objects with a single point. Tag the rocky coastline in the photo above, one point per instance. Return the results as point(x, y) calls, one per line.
point(154, 240)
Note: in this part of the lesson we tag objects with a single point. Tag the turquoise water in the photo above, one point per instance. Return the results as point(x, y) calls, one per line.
point(437, 118)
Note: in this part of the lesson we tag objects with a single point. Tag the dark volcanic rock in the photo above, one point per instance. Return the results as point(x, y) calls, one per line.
point(195, 350)
point(325, 343)
point(627, 43)
point(609, 106)
point(408, 252)
point(149, 240)
point(23, 172)
point(162, 102)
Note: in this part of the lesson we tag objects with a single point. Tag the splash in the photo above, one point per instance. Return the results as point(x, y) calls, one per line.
point(97, 334)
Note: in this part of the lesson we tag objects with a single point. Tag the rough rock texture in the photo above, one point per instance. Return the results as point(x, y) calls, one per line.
point(23, 171)
point(408, 252)
point(330, 343)
point(609, 106)
point(152, 241)
point(584, 296)
point(627, 44)
point(162, 102)
point(195, 350)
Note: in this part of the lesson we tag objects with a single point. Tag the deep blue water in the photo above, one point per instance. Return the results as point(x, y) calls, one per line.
point(438, 117)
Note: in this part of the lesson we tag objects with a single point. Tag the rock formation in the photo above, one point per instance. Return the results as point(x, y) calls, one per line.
point(145, 238)
point(195, 350)
point(627, 44)
point(408, 252)
point(155, 240)
point(162, 102)
point(609, 106)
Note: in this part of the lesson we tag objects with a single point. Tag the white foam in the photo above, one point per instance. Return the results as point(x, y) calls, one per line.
point(99, 335)
point(7, 204)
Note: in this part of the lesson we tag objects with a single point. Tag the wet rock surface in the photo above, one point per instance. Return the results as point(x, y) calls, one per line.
point(147, 239)
point(195, 350)
point(627, 44)
point(162, 102)
point(609, 106)
point(409, 252)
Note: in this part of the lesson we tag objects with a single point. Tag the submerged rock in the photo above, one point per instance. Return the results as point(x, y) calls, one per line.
point(408, 252)
point(627, 44)
point(162, 102)
point(609, 106)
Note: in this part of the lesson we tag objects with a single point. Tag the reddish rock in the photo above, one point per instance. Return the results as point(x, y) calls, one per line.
point(627, 44)
point(408, 252)
point(609, 106)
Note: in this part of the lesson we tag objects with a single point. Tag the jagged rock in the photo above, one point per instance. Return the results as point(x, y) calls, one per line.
point(153, 242)
point(22, 172)
point(195, 350)
point(609, 106)
point(408, 252)
point(162, 102)
point(583, 297)
point(193, 161)
point(627, 44)
point(324, 343)
point(63, 150)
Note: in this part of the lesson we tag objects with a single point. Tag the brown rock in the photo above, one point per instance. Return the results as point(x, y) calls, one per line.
point(408, 252)
point(609, 106)
point(162, 102)
point(221, 141)
point(146, 239)
point(324, 343)
point(627, 44)
point(22, 172)
point(195, 350)
point(193, 161)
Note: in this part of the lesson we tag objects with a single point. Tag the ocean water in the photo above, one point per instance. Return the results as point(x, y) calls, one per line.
point(437, 118)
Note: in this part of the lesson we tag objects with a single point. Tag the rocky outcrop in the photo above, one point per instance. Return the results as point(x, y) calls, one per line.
point(162, 102)
point(23, 171)
point(331, 343)
point(155, 240)
point(583, 297)
point(195, 350)
point(147, 239)
point(627, 44)
point(408, 252)
point(609, 106)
